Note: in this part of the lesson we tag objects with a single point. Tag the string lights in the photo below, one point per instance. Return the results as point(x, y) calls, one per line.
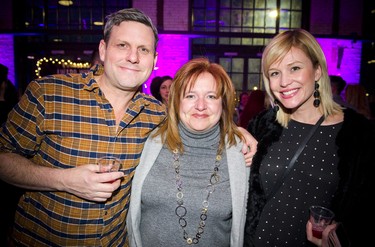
point(65, 65)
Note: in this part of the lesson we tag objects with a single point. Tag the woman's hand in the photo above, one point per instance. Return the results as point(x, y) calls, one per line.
point(325, 241)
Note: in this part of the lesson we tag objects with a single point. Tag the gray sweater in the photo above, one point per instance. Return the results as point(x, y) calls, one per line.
point(151, 218)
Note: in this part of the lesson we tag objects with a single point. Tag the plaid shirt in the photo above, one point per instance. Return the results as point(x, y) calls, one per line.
point(63, 121)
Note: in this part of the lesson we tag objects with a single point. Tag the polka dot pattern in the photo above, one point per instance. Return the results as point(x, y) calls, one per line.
point(312, 181)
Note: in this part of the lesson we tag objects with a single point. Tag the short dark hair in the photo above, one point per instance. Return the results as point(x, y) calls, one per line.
point(156, 84)
point(131, 14)
point(339, 82)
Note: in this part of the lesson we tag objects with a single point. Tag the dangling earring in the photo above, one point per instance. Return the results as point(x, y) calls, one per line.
point(316, 95)
point(276, 105)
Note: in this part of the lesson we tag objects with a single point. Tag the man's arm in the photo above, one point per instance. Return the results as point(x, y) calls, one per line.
point(82, 181)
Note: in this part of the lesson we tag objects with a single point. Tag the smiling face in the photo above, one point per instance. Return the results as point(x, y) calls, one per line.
point(129, 56)
point(292, 80)
point(201, 107)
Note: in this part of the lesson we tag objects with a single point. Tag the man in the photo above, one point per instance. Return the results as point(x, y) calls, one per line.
point(64, 123)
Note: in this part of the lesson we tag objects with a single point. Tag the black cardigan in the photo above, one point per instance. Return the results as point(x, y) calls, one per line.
point(356, 152)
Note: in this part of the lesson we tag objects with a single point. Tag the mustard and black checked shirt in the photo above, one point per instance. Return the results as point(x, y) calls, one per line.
point(63, 121)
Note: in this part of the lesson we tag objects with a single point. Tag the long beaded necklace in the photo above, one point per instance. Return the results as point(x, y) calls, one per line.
point(181, 209)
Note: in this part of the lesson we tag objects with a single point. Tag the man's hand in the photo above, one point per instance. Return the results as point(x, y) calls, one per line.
point(250, 146)
point(86, 182)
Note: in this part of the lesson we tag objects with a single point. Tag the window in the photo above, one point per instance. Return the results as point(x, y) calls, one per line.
point(241, 28)
point(246, 17)
point(81, 15)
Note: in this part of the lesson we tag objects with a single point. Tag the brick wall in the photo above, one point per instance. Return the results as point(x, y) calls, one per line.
point(173, 50)
point(149, 7)
point(176, 15)
point(350, 63)
point(7, 54)
point(321, 14)
point(350, 17)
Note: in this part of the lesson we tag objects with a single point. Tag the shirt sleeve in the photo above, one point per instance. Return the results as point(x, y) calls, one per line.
point(23, 131)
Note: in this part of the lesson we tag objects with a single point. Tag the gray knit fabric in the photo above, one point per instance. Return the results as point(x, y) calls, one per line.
point(159, 223)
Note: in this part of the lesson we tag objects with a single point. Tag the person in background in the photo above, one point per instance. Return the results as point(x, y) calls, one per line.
point(338, 85)
point(8, 94)
point(95, 58)
point(244, 96)
point(154, 87)
point(192, 177)
point(355, 95)
point(54, 136)
point(160, 87)
point(8, 99)
point(336, 145)
point(241, 105)
point(254, 105)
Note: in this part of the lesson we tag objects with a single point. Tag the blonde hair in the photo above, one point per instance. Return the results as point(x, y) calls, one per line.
point(276, 50)
point(183, 81)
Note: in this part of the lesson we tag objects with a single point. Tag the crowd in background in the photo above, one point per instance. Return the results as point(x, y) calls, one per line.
point(255, 109)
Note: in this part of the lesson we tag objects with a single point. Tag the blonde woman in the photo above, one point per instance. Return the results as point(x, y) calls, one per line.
point(310, 151)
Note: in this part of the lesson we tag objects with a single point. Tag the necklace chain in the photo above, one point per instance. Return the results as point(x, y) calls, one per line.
point(181, 210)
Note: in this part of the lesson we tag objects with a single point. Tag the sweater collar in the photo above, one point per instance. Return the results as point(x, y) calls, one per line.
point(206, 138)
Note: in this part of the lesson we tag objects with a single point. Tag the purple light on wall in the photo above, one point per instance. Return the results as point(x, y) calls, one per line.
point(7, 54)
point(173, 52)
point(343, 58)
